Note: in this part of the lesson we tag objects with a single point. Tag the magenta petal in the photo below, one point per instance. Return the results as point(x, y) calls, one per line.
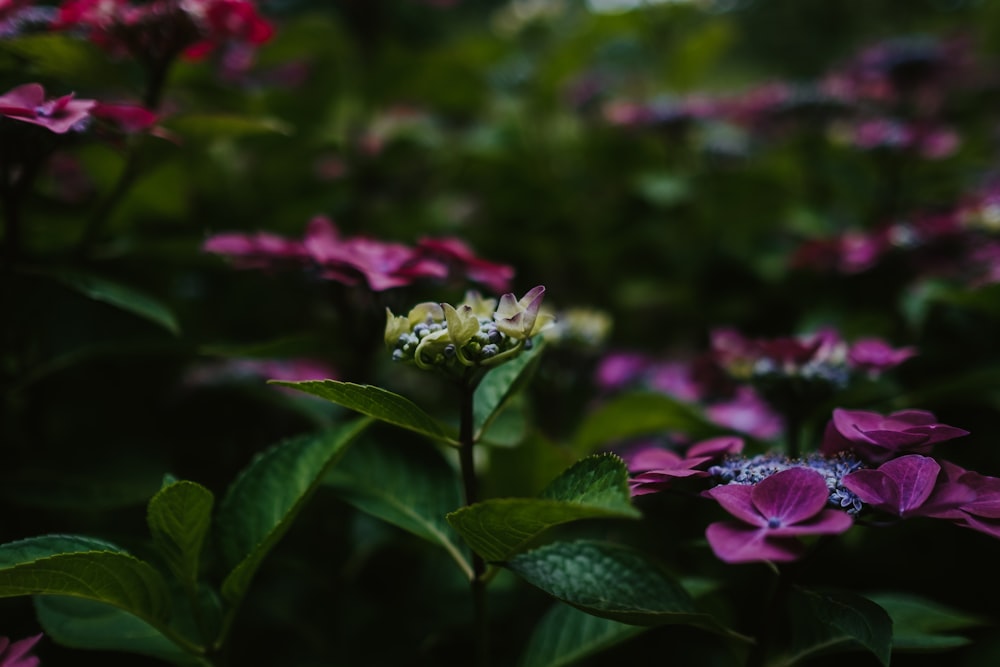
point(650, 457)
point(738, 543)
point(737, 500)
point(939, 432)
point(853, 423)
point(791, 495)
point(915, 476)
point(913, 417)
point(713, 447)
point(874, 488)
point(894, 439)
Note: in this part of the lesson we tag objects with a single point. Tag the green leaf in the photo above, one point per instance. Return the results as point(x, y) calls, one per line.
point(85, 624)
point(593, 488)
point(500, 384)
point(919, 624)
point(375, 402)
point(212, 126)
point(410, 487)
point(179, 516)
point(112, 576)
point(834, 622)
point(120, 296)
point(62, 56)
point(608, 580)
point(636, 414)
point(267, 496)
point(566, 635)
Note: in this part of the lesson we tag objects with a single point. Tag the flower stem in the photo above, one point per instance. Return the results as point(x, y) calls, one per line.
point(470, 485)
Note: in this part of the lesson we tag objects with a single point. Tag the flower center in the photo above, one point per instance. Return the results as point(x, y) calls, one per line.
point(774, 522)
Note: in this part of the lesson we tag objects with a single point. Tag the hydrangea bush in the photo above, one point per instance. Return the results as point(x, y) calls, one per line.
point(518, 333)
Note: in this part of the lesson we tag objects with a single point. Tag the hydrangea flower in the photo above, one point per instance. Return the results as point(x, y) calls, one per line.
point(18, 654)
point(456, 339)
point(877, 438)
point(27, 103)
point(771, 516)
point(657, 467)
point(915, 485)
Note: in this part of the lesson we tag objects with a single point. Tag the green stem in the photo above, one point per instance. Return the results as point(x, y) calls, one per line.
point(470, 485)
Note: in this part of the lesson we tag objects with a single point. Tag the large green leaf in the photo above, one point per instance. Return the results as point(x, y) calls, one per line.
point(261, 504)
point(120, 296)
point(410, 487)
point(637, 414)
point(86, 624)
point(566, 635)
point(593, 488)
point(919, 624)
point(608, 580)
point(500, 384)
point(179, 516)
point(375, 402)
point(84, 568)
point(834, 622)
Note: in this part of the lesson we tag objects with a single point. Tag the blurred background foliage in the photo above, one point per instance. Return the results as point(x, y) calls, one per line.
point(488, 121)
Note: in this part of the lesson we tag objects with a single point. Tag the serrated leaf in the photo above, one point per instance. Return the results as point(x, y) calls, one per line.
point(262, 503)
point(410, 487)
point(919, 624)
point(179, 516)
point(212, 126)
point(593, 488)
point(600, 480)
point(85, 624)
point(565, 635)
point(376, 402)
point(640, 413)
point(608, 580)
point(500, 384)
point(112, 577)
point(834, 622)
point(120, 296)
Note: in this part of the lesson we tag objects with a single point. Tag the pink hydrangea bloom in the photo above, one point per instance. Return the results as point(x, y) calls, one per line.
point(771, 515)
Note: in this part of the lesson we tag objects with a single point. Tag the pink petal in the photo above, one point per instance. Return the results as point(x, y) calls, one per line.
point(737, 500)
point(738, 543)
point(791, 495)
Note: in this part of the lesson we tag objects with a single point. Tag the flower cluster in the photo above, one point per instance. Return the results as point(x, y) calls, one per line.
point(477, 333)
point(353, 260)
point(822, 357)
point(866, 463)
point(156, 32)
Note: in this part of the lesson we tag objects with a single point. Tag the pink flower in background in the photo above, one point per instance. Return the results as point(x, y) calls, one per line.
point(18, 654)
point(229, 371)
point(748, 413)
point(27, 103)
point(874, 355)
point(771, 515)
point(356, 260)
point(381, 265)
point(458, 255)
point(256, 251)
